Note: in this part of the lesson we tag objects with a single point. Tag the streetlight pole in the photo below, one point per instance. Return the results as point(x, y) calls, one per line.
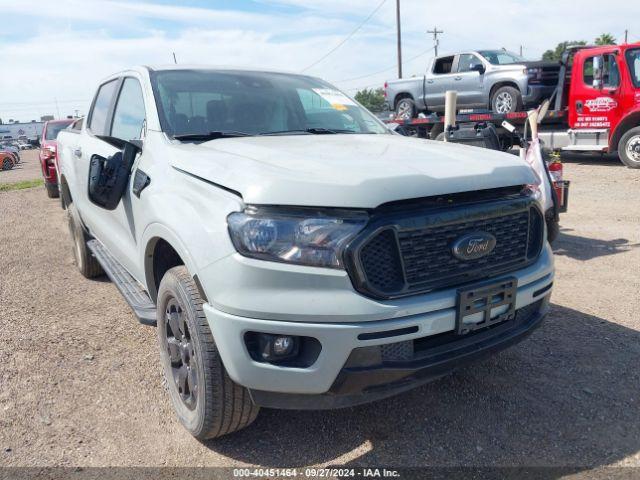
point(399, 39)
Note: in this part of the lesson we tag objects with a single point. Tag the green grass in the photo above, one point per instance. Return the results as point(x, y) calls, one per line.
point(6, 187)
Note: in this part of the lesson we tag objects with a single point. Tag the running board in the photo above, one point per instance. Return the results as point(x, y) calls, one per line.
point(131, 290)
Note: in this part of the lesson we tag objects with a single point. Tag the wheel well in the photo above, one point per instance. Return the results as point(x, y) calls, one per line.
point(400, 96)
point(65, 193)
point(633, 120)
point(160, 257)
point(500, 85)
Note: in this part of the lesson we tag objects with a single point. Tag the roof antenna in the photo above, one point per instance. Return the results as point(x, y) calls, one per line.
point(174, 58)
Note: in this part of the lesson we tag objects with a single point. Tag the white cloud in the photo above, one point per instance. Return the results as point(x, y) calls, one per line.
point(64, 48)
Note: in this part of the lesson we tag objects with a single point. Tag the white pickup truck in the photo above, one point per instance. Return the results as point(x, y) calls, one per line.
point(293, 251)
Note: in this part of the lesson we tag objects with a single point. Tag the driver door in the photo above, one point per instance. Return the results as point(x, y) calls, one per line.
point(124, 119)
point(468, 82)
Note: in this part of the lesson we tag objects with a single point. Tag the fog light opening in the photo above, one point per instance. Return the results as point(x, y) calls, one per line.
point(282, 350)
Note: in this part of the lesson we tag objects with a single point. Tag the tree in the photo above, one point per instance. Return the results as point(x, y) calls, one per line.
point(606, 39)
point(556, 55)
point(371, 99)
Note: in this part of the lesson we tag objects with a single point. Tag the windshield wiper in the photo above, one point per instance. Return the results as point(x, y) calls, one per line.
point(211, 135)
point(312, 131)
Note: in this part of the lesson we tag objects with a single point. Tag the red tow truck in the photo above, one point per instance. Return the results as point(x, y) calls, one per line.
point(594, 108)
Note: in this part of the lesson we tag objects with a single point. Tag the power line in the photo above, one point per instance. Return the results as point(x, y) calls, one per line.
point(347, 37)
point(386, 69)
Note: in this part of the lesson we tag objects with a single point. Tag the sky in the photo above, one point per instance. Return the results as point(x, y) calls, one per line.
point(53, 53)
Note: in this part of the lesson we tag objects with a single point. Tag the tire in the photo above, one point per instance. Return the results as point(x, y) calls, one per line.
point(506, 100)
point(629, 148)
point(405, 108)
point(208, 403)
point(85, 261)
point(52, 190)
point(7, 164)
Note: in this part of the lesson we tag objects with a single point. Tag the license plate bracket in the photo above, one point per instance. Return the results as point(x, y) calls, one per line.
point(481, 301)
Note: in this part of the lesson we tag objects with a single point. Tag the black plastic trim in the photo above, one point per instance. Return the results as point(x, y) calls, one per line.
point(388, 333)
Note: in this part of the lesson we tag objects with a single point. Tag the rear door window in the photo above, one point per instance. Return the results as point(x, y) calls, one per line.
point(100, 111)
point(443, 65)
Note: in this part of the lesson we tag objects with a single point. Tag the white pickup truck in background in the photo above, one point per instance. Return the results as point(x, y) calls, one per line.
point(294, 252)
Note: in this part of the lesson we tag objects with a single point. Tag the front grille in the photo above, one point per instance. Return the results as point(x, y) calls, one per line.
point(413, 253)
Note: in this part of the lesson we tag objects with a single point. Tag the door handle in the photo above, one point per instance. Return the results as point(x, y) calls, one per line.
point(457, 78)
point(78, 152)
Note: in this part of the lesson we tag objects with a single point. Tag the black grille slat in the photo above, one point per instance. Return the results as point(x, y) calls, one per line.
point(415, 253)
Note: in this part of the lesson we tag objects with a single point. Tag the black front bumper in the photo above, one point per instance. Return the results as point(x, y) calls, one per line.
point(434, 357)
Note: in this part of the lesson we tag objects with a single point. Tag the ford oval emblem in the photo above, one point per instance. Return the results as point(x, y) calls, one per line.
point(473, 246)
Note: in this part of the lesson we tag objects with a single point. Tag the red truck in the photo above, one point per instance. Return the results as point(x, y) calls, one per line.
point(594, 108)
point(49, 152)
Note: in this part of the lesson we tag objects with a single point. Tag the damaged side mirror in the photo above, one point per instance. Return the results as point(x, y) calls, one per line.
point(109, 177)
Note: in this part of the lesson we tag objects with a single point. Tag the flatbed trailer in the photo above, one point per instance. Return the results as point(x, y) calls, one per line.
point(594, 108)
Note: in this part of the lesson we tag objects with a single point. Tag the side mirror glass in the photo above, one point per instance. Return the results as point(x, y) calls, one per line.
point(597, 73)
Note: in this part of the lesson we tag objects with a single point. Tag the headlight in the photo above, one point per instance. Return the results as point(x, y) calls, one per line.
point(298, 235)
point(534, 73)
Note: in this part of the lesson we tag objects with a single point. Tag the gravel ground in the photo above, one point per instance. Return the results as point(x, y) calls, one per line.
point(27, 169)
point(81, 381)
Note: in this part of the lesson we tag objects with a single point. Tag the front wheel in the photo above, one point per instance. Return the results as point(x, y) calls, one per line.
point(506, 100)
point(208, 403)
point(629, 148)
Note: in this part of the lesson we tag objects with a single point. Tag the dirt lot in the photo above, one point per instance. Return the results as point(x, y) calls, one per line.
point(81, 382)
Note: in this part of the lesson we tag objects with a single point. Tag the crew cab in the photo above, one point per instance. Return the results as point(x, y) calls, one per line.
point(495, 79)
point(49, 152)
point(292, 251)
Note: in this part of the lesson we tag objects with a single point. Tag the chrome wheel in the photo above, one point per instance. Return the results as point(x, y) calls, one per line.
point(633, 148)
point(504, 102)
point(184, 366)
point(404, 110)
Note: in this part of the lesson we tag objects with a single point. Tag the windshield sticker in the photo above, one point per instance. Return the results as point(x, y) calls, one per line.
point(336, 99)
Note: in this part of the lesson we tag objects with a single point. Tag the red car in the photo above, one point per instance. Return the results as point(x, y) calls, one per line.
point(7, 162)
point(49, 152)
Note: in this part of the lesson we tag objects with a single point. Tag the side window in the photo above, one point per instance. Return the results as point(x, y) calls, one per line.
point(587, 71)
point(610, 71)
point(443, 65)
point(98, 122)
point(129, 115)
point(467, 61)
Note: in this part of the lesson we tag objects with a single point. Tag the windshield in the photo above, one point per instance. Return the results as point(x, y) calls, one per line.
point(197, 102)
point(633, 60)
point(501, 57)
point(53, 129)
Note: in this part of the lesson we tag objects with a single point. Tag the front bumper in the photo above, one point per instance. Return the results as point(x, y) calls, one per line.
point(422, 316)
point(440, 356)
point(536, 94)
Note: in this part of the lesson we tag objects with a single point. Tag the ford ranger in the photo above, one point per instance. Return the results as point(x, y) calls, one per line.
point(498, 80)
point(293, 251)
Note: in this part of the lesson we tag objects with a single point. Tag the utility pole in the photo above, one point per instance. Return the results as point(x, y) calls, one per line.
point(626, 36)
point(435, 32)
point(399, 39)
point(174, 58)
point(520, 50)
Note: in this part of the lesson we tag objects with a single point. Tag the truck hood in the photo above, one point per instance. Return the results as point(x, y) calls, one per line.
point(358, 171)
